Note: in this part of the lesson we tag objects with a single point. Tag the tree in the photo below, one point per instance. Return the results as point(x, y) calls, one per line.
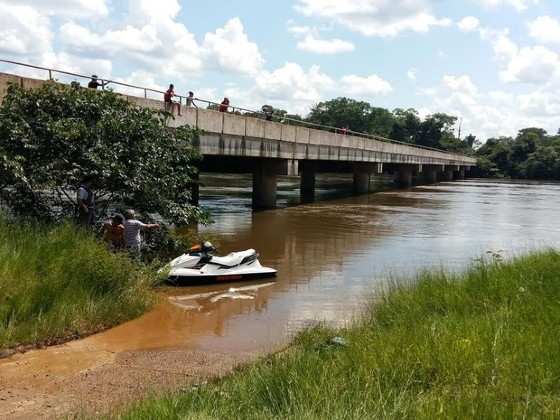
point(341, 113)
point(53, 137)
point(435, 129)
point(380, 122)
point(406, 124)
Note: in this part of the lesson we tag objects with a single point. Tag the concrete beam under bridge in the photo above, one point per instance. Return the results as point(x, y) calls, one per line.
point(460, 174)
point(265, 174)
point(447, 174)
point(431, 173)
point(362, 172)
point(404, 176)
point(307, 180)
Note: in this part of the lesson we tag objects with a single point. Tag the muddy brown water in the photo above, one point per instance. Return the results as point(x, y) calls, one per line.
point(331, 257)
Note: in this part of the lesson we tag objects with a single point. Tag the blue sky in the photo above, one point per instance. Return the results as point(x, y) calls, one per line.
point(493, 63)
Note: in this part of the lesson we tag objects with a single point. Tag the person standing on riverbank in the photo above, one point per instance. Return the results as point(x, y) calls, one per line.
point(86, 204)
point(132, 231)
point(113, 232)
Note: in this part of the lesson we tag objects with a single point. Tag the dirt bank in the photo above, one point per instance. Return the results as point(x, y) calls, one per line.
point(101, 380)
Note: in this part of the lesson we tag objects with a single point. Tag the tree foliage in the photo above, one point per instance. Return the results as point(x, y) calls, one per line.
point(403, 125)
point(531, 154)
point(53, 137)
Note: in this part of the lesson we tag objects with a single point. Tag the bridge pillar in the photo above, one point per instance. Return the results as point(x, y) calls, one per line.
point(307, 181)
point(195, 190)
point(460, 174)
point(264, 186)
point(447, 174)
point(431, 175)
point(405, 177)
point(293, 167)
point(361, 179)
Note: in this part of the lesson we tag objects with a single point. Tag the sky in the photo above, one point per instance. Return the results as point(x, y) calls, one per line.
point(495, 64)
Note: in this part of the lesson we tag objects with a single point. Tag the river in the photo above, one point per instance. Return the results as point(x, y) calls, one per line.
point(333, 256)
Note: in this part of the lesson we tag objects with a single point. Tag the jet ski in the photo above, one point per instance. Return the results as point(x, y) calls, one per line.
point(200, 266)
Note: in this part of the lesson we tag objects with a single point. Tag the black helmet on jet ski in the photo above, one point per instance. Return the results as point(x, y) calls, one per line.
point(208, 247)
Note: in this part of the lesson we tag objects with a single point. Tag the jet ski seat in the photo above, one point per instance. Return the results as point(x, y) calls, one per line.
point(235, 258)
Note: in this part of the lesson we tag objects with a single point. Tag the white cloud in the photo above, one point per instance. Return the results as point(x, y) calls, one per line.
point(311, 41)
point(537, 64)
point(154, 10)
point(129, 39)
point(365, 87)
point(23, 31)
point(468, 24)
point(385, 18)
point(519, 5)
point(66, 8)
point(532, 65)
point(493, 113)
point(540, 103)
point(291, 81)
point(324, 46)
point(545, 29)
point(461, 84)
point(411, 74)
point(231, 48)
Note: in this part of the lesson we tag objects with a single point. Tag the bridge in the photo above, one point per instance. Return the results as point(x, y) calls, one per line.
point(238, 143)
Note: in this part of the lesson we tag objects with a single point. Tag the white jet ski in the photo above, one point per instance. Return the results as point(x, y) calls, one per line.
point(199, 266)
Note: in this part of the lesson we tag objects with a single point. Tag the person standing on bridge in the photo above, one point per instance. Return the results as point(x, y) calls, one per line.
point(94, 83)
point(168, 98)
point(190, 100)
point(224, 105)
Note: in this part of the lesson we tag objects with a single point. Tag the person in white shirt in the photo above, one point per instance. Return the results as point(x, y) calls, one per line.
point(86, 204)
point(133, 229)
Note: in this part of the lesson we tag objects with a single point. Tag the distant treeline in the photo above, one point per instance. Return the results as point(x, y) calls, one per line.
point(532, 154)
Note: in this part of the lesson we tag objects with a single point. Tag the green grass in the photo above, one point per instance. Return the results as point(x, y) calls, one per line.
point(58, 283)
point(483, 344)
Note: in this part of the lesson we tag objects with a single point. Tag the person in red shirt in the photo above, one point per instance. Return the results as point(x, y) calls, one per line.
point(224, 105)
point(168, 98)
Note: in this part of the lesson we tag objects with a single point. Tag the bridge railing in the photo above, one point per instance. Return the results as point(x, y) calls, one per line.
point(235, 109)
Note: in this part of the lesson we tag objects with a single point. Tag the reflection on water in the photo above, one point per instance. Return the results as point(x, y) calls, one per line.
point(331, 256)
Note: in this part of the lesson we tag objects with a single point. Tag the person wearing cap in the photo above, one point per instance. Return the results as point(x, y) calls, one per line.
point(94, 83)
point(132, 231)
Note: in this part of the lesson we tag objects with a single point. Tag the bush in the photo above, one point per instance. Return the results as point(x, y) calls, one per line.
point(58, 283)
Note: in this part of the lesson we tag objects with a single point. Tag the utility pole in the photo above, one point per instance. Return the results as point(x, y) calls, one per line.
point(460, 125)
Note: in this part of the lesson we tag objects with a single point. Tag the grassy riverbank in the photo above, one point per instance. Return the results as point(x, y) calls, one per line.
point(60, 283)
point(484, 344)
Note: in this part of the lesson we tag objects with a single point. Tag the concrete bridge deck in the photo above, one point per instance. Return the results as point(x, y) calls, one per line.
point(236, 143)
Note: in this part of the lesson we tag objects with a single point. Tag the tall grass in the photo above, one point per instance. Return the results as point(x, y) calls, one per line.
point(483, 344)
point(60, 282)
